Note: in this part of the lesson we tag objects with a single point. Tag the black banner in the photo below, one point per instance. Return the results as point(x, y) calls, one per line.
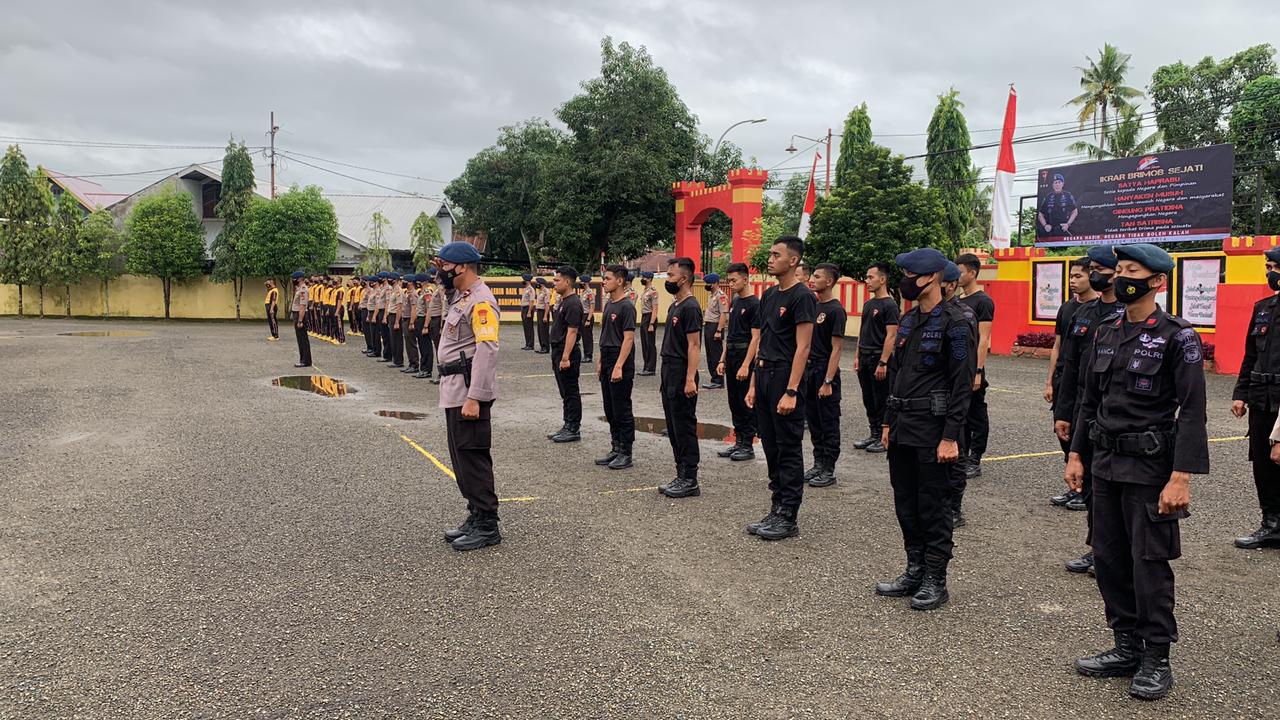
point(1174, 196)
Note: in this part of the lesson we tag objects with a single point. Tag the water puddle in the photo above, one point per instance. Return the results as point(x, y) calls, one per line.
point(318, 384)
point(401, 414)
point(706, 431)
point(106, 333)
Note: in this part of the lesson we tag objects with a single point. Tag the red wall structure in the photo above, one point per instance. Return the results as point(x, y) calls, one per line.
point(740, 198)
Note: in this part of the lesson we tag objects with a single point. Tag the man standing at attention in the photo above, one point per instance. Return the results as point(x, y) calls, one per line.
point(780, 342)
point(977, 425)
point(713, 323)
point(876, 340)
point(617, 367)
point(566, 356)
point(542, 312)
point(298, 311)
point(527, 293)
point(588, 295)
point(681, 345)
point(272, 301)
point(822, 377)
point(736, 365)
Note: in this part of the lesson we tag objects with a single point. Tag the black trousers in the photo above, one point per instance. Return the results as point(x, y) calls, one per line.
point(271, 322)
point(527, 321)
point(922, 500)
point(1132, 547)
point(567, 382)
point(822, 415)
point(304, 343)
point(681, 413)
point(338, 315)
point(781, 436)
point(648, 343)
point(588, 341)
point(976, 424)
point(410, 342)
point(385, 329)
point(368, 336)
point(469, 451)
point(712, 349)
point(544, 332)
point(617, 397)
point(397, 340)
point(744, 418)
point(426, 353)
point(875, 393)
point(1266, 474)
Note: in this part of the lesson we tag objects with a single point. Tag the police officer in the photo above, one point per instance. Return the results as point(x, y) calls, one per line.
point(468, 388)
point(876, 339)
point(780, 340)
point(955, 470)
point(931, 379)
point(714, 322)
point(526, 310)
point(408, 314)
point(588, 296)
point(566, 356)
point(1257, 393)
point(977, 425)
point(617, 367)
point(387, 305)
point(1144, 389)
point(421, 333)
point(542, 312)
point(681, 345)
point(648, 324)
point(1081, 328)
point(272, 302)
point(735, 363)
point(1081, 292)
point(822, 377)
point(366, 311)
point(298, 311)
point(1059, 209)
point(435, 313)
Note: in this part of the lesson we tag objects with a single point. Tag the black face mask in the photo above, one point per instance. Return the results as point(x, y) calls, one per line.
point(446, 277)
point(1130, 290)
point(1273, 280)
point(909, 288)
point(1099, 281)
point(672, 287)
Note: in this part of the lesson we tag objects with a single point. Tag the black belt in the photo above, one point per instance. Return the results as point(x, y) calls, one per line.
point(461, 367)
point(870, 351)
point(738, 345)
point(936, 403)
point(773, 363)
point(1142, 444)
point(1265, 378)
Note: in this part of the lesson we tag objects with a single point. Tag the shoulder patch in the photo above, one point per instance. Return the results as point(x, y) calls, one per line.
point(959, 337)
point(484, 322)
point(1192, 352)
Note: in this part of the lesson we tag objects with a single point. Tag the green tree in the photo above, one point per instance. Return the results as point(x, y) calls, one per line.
point(165, 240)
point(39, 254)
point(857, 134)
point(1255, 130)
point(67, 267)
point(1193, 103)
point(25, 218)
point(1124, 141)
point(949, 167)
point(426, 240)
point(377, 257)
point(99, 252)
point(296, 231)
point(235, 197)
point(978, 232)
point(1024, 235)
point(1103, 89)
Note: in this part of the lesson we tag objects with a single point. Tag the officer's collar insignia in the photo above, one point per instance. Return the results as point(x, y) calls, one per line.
point(1151, 321)
point(1149, 342)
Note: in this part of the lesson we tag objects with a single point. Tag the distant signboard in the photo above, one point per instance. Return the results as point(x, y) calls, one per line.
point(1198, 280)
point(1174, 196)
point(1049, 291)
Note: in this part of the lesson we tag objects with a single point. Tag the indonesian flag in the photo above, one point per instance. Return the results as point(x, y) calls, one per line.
point(1002, 197)
point(810, 199)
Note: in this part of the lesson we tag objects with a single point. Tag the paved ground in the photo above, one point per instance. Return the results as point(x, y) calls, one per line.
point(182, 539)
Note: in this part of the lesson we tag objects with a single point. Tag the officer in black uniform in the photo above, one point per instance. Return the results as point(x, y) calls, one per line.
point(977, 426)
point(566, 355)
point(1257, 392)
point(681, 348)
point(931, 379)
point(617, 367)
point(1144, 389)
point(1059, 209)
point(737, 369)
point(1081, 329)
point(956, 470)
point(1081, 293)
point(876, 339)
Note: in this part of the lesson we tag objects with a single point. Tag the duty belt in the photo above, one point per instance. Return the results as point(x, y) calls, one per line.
point(738, 345)
point(1141, 444)
point(936, 403)
point(461, 367)
point(1265, 378)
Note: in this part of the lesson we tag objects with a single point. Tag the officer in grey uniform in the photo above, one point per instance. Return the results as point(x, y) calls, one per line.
point(298, 309)
point(468, 387)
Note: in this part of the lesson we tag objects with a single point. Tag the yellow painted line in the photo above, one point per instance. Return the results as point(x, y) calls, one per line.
point(1048, 453)
point(445, 469)
point(1229, 439)
point(630, 490)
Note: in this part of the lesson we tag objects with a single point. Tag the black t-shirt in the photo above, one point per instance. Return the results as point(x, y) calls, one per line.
point(828, 324)
point(877, 315)
point(617, 319)
point(683, 318)
point(742, 315)
point(779, 313)
point(568, 314)
point(1061, 325)
point(983, 307)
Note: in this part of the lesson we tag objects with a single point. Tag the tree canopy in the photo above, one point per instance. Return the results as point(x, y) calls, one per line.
point(426, 240)
point(1255, 130)
point(857, 134)
point(26, 212)
point(165, 239)
point(1102, 89)
point(1193, 103)
point(949, 168)
point(236, 195)
point(296, 231)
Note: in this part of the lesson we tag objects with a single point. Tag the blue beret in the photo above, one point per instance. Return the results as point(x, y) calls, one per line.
point(951, 272)
point(1057, 177)
point(1147, 255)
point(296, 274)
point(526, 278)
point(1104, 255)
point(383, 274)
point(646, 274)
point(458, 252)
point(393, 276)
point(923, 261)
point(584, 279)
point(1273, 254)
point(712, 278)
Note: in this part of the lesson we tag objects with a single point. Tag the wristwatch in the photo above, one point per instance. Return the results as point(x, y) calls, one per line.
point(826, 381)
point(789, 393)
point(882, 363)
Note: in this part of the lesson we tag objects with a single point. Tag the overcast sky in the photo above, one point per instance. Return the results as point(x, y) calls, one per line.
point(418, 87)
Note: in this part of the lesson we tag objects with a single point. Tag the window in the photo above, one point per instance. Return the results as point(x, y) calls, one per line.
point(210, 192)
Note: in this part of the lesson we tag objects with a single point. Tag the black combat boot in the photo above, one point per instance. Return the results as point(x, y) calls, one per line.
point(814, 471)
point(1123, 659)
point(1082, 564)
point(783, 525)
point(933, 590)
point(865, 442)
point(746, 452)
point(1154, 677)
point(570, 434)
point(754, 527)
point(1267, 534)
point(613, 453)
point(622, 460)
point(826, 476)
point(729, 451)
point(909, 581)
point(957, 514)
point(686, 485)
point(551, 435)
point(662, 489)
point(483, 533)
point(877, 447)
point(467, 526)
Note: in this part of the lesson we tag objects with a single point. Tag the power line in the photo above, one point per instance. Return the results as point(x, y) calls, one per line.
point(118, 145)
point(357, 179)
point(367, 169)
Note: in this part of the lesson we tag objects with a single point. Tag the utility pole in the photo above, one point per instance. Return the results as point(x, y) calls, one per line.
point(828, 193)
point(274, 129)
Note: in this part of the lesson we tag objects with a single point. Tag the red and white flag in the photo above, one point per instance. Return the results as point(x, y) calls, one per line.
point(1002, 196)
point(810, 199)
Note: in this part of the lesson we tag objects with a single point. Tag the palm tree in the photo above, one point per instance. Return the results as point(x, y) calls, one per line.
point(1104, 88)
point(1123, 141)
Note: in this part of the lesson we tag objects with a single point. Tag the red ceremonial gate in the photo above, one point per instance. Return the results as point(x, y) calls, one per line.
point(740, 199)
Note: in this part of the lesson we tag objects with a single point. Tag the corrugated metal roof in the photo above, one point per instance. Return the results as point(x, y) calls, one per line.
point(90, 194)
point(355, 212)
